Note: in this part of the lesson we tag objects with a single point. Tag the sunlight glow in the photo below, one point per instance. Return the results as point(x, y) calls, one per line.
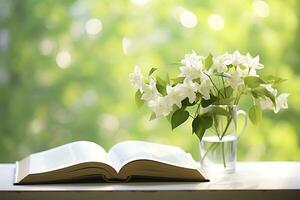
point(77, 29)
point(46, 47)
point(215, 22)
point(188, 19)
point(36, 126)
point(93, 26)
point(140, 2)
point(126, 45)
point(260, 8)
point(63, 59)
point(109, 122)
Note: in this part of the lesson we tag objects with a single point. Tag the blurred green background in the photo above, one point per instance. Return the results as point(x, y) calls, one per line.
point(64, 69)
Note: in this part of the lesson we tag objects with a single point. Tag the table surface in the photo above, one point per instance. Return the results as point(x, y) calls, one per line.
point(279, 177)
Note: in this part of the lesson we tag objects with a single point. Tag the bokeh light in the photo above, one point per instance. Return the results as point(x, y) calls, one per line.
point(63, 59)
point(46, 47)
point(188, 19)
point(126, 45)
point(260, 8)
point(109, 122)
point(216, 22)
point(93, 26)
point(140, 2)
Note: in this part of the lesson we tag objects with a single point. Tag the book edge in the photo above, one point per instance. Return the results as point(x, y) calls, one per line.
point(16, 182)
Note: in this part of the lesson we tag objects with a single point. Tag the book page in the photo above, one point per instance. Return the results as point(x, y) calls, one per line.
point(68, 155)
point(125, 152)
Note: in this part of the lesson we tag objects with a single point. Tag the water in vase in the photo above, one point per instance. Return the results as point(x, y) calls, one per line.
point(218, 156)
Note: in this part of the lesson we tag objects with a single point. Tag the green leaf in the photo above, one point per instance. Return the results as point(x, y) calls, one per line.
point(153, 116)
point(168, 79)
point(205, 103)
point(177, 80)
point(226, 101)
point(196, 124)
point(253, 81)
point(197, 80)
point(230, 66)
point(160, 81)
point(161, 85)
point(197, 129)
point(161, 89)
point(185, 102)
point(255, 114)
point(219, 111)
point(271, 96)
point(169, 117)
point(208, 61)
point(200, 124)
point(179, 117)
point(227, 91)
point(174, 108)
point(274, 79)
point(263, 92)
point(153, 69)
point(138, 101)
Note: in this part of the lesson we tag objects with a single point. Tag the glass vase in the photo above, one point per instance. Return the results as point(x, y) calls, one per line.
point(218, 147)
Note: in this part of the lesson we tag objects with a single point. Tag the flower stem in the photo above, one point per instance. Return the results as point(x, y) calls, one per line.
point(216, 88)
point(224, 86)
point(223, 134)
point(197, 110)
point(210, 148)
point(223, 154)
point(226, 127)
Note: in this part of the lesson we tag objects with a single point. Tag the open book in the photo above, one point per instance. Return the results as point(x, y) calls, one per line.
point(83, 160)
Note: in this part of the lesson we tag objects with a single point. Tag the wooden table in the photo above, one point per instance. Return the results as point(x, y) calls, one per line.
point(252, 180)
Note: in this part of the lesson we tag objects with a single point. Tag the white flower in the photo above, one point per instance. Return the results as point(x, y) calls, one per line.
point(188, 89)
point(251, 62)
point(205, 88)
point(281, 102)
point(271, 89)
point(205, 75)
point(192, 60)
point(174, 95)
point(136, 79)
point(206, 84)
point(236, 78)
point(150, 91)
point(266, 104)
point(190, 72)
point(220, 62)
point(160, 106)
point(236, 58)
point(193, 66)
point(226, 75)
point(252, 72)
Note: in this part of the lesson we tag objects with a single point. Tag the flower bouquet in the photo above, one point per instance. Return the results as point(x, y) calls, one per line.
point(208, 90)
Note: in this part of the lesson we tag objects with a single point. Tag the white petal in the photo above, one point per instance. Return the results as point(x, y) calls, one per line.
point(266, 104)
point(136, 79)
point(271, 89)
point(160, 106)
point(150, 91)
point(281, 102)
